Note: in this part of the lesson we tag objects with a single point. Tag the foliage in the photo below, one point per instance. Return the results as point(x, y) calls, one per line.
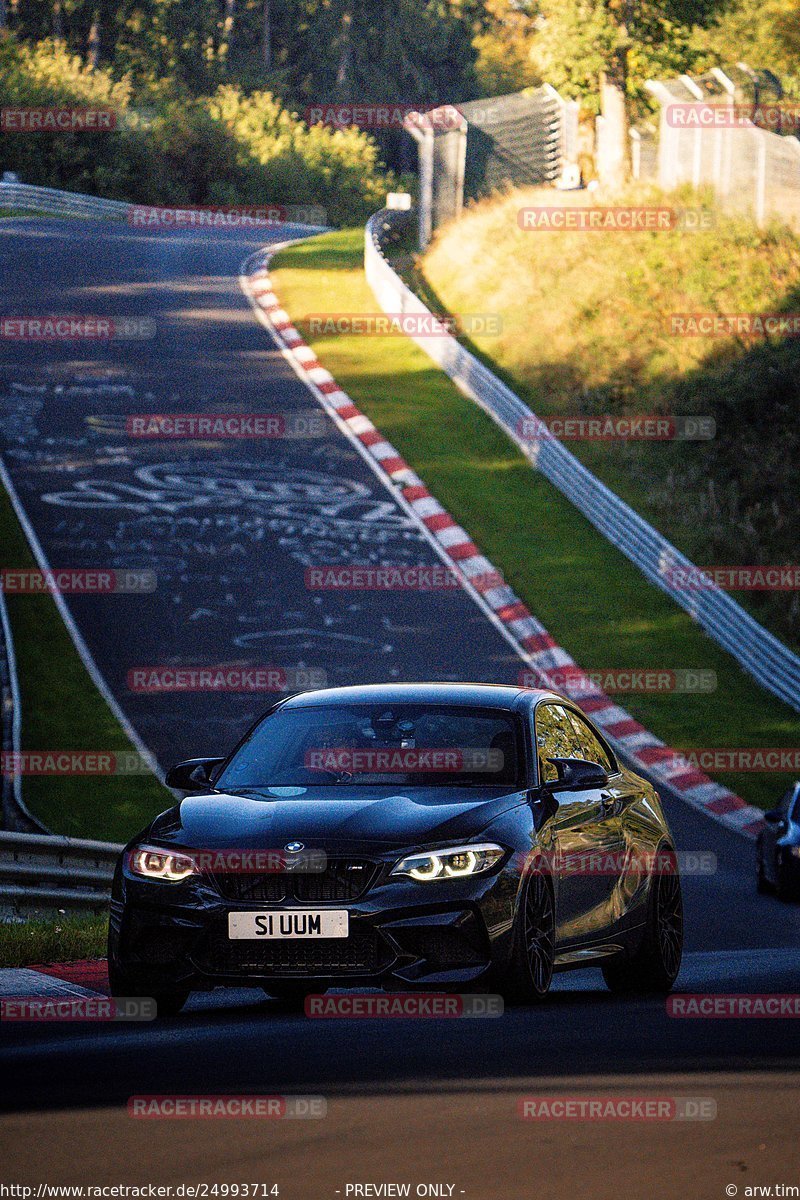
point(177, 149)
point(337, 168)
point(320, 49)
point(506, 48)
point(578, 39)
point(763, 33)
point(311, 52)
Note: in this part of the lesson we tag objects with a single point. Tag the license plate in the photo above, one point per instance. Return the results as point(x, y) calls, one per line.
point(289, 923)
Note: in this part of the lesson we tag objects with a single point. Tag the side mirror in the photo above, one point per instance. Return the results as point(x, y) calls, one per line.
point(775, 817)
point(193, 775)
point(576, 775)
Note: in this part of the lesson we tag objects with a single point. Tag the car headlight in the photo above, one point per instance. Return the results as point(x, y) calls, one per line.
point(456, 863)
point(152, 863)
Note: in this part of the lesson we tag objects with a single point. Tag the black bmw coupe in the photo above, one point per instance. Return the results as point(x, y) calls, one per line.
point(440, 836)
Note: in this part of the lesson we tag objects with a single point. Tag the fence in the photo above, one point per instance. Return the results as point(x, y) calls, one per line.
point(471, 149)
point(41, 873)
point(766, 658)
point(705, 138)
point(644, 154)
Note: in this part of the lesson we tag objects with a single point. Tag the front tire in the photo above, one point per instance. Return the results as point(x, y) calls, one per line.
point(653, 969)
point(169, 1001)
point(530, 973)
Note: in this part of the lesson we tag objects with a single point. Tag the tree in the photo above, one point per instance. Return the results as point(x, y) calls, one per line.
point(345, 50)
point(786, 15)
point(605, 50)
point(226, 36)
point(93, 41)
point(762, 33)
point(505, 46)
point(614, 161)
point(175, 41)
point(266, 36)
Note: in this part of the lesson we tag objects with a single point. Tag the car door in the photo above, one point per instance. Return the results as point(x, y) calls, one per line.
point(583, 839)
point(634, 851)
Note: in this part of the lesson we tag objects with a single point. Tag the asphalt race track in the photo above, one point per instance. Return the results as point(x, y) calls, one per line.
point(229, 528)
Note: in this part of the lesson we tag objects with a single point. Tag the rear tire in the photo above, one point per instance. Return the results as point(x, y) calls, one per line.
point(530, 972)
point(653, 969)
point(169, 1001)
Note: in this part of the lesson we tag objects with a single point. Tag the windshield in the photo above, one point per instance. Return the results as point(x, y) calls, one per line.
point(408, 744)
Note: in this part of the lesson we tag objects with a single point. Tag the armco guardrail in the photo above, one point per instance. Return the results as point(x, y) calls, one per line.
point(14, 813)
point(30, 198)
point(38, 871)
point(763, 655)
point(49, 200)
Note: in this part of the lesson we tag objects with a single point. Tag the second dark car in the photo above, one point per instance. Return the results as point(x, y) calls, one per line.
point(444, 836)
point(778, 847)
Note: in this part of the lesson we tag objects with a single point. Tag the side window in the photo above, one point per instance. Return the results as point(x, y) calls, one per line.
point(589, 745)
point(555, 738)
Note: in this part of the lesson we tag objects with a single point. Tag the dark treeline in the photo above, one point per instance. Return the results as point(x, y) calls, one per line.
point(213, 93)
point(305, 50)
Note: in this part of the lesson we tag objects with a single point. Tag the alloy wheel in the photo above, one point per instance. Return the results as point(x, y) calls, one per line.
point(540, 931)
point(669, 918)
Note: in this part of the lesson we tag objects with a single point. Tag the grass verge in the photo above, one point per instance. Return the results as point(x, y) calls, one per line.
point(592, 600)
point(594, 323)
point(62, 709)
point(67, 939)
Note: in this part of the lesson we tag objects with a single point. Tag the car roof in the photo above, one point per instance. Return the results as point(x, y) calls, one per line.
point(480, 695)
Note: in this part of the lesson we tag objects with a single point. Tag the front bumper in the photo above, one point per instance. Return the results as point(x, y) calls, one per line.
point(402, 934)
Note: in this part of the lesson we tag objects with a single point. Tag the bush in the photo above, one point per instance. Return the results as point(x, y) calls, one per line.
point(281, 159)
point(173, 149)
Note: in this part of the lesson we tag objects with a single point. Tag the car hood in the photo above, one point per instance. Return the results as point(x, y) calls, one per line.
point(377, 816)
